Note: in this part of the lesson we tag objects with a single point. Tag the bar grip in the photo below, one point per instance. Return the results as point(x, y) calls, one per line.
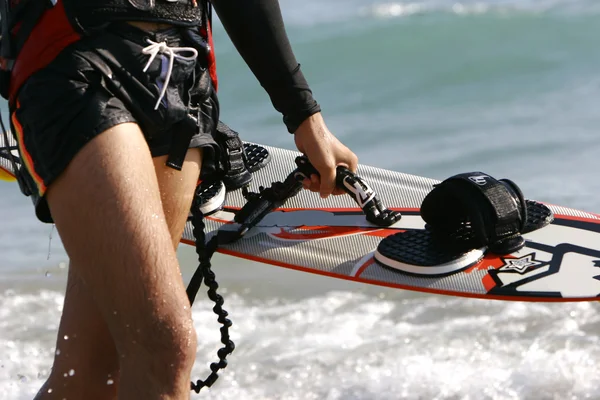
point(355, 186)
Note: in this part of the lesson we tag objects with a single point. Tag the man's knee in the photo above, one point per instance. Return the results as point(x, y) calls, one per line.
point(166, 343)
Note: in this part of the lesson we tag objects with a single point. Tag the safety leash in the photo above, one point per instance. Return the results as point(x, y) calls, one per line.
point(204, 273)
point(258, 205)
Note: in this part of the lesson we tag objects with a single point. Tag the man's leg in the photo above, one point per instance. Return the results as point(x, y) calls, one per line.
point(108, 211)
point(86, 364)
point(177, 189)
point(90, 351)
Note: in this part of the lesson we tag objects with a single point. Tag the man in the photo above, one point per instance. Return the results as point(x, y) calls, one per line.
point(103, 93)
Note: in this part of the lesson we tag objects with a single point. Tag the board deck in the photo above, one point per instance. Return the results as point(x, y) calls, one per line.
point(331, 237)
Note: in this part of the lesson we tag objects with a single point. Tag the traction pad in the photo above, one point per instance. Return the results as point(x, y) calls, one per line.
point(211, 194)
point(422, 252)
point(257, 157)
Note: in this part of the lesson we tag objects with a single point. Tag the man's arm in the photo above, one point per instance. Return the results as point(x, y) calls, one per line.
point(256, 29)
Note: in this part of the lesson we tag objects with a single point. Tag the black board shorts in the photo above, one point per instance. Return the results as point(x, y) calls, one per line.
point(99, 82)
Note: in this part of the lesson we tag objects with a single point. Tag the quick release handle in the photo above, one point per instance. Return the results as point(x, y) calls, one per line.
point(345, 179)
point(357, 188)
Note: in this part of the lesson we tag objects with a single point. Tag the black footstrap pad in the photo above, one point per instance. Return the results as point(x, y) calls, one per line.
point(239, 159)
point(439, 254)
point(257, 157)
point(418, 247)
point(538, 216)
point(210, 194)
point(493, 210)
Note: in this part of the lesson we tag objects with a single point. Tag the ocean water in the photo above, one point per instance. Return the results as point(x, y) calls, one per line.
point(432, 88)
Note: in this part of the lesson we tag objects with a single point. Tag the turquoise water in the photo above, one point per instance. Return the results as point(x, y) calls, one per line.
point(432, 88)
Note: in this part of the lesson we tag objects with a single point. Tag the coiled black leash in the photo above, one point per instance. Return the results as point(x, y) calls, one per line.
point(258, 205)
point(205, 252)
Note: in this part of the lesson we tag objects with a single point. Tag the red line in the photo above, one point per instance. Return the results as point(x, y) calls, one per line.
point(366, 265)
point(582, 219)
point(331, 209)
point(404, 287)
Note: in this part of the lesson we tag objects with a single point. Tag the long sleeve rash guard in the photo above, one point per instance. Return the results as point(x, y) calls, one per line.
point(257, 30)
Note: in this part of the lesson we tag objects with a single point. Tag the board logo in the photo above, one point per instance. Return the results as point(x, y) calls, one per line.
point(521, 264)
point(479, 179)
point(565, 270)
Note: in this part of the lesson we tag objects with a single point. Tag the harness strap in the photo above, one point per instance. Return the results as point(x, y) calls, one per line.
point(29, 21)
point(92, 15)
point(22, 18)
point(28, 14)
point(234, 160)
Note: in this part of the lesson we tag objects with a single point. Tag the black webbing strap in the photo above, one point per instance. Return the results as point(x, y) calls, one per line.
point(233, 157)
point(28, 20)
point(26, 15)
point(491, 210)
point(23, 17)
point(6, 50)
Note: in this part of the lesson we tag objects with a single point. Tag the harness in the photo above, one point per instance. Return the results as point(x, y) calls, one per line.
point(91, 15)
point(20, 17)
point(17, 24)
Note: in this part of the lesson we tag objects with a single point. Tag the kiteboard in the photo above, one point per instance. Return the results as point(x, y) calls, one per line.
point(332, 237)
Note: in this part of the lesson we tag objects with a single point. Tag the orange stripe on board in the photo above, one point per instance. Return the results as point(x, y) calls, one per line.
point(363, 267)
point(582, 219)
point(26, 156)
point(329, 209)
point(401, 286)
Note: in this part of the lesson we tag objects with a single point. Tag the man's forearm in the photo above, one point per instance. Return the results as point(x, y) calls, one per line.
point(256, 29)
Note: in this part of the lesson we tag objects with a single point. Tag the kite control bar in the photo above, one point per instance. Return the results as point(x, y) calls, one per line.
point(262, 203)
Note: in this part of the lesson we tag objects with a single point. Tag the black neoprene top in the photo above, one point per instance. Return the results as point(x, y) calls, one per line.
point(256, 29)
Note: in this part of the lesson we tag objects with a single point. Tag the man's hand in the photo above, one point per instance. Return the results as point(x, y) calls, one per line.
point(325, 152)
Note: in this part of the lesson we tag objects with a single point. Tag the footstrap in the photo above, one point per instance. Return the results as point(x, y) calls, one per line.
point(234, 159)
point(474, 210)
point(466, 215)
point(211, 193)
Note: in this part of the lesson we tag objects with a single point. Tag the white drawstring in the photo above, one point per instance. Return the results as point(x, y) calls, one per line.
point(173, 52)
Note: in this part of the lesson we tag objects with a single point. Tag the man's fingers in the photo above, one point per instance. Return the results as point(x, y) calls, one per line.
point(353, 164)
point(327, 182)
point(306, 183)
point(313, 183)
point(338, 191)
